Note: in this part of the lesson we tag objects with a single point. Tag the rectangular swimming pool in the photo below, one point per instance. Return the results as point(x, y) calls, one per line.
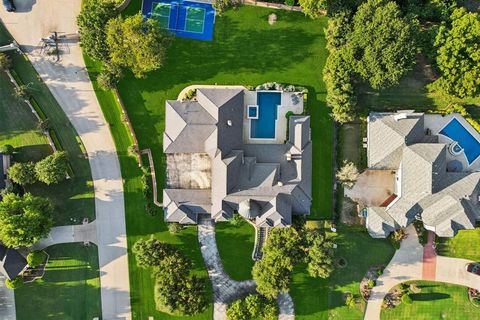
point(457, 132)
point(265, 126)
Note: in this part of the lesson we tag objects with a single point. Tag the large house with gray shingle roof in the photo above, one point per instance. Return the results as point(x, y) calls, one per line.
point(212, 172)
point(427, 187)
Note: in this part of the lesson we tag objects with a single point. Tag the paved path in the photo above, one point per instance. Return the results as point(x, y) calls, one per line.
point(286, 310)
point(414, 262)
point(69, 234)
point(225, 290)
point(7, 301)
point(69, 83)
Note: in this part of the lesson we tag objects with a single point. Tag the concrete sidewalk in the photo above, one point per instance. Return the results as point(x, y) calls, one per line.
point(70, 84)
point(7, 301)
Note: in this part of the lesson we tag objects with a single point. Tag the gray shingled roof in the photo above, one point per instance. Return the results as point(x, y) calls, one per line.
point(12, 263)
point(445, 201)
point(243, 176)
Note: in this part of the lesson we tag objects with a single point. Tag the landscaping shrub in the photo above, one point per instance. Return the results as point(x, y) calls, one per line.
point(52, 169)
point(174, 228)
point(23, 173)
point(407, 299)
point(5, 62)
point(191, 94)
point(37, 109)
point(15, 283)
point(236, 220)
point(151, 252)
point(348, 174)
point(133, 151)
point(350, 301)
point(7, 149)
point(35, 258)
point(109, 76)
point(371, 283)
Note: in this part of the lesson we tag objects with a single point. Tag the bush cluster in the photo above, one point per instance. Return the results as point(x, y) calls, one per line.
point(253, 306)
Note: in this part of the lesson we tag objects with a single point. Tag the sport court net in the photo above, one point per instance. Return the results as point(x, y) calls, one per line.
point(179, 17)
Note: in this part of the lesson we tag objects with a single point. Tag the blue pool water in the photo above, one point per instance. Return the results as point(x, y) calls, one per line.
point(457, 132)
point(264, 126)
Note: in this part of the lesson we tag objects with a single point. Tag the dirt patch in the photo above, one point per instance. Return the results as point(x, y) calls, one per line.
point(349, 214)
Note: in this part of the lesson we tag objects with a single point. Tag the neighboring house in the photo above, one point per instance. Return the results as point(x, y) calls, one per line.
point(435, 160)
point(12, 263)
point(4, 165)
point(212, 171)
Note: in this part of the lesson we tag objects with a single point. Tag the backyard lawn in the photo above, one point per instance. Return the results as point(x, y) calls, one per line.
point(464, 245)
point(69, 290)
point(73, 199)
point(435, 301)
point(235, 245)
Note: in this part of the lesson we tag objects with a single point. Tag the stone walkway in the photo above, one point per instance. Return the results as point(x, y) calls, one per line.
point(225, 290)
point(70, 84)
point(286, 310)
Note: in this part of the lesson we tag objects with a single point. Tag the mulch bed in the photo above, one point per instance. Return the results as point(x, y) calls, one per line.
point(371, 274)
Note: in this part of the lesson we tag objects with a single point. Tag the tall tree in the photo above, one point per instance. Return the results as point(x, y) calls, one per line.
point(92, 22)
point(52, 169)
point(5, 62)
point(24, 219)
point(313, 8)
point(383, 43)
point(136, 43)
point(458, 55)
point(319, 254)
point(151, 252)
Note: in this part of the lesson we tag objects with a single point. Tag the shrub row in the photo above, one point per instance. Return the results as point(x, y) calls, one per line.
point(59, 147)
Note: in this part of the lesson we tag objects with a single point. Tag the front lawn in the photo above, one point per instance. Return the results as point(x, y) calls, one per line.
point(324, 298)
point(235, 245)
point(435, 301)
point(73, 199)
point(70, 288)
point(463, 245)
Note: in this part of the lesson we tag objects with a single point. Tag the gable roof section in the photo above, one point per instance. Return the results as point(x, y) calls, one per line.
point(12, 263)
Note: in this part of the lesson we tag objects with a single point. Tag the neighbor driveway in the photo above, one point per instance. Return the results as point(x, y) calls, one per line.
point(70, 84)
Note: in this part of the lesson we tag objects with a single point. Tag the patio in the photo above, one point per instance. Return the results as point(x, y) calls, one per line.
point(373, 188)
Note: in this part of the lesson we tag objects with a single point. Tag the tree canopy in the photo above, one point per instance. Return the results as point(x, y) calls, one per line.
point(458, 55)
point(52, 169)
point(313, 8)
point(23, 173)
point(252, 306)
point(137, 43)
point(319, 254)
point(5, 62)
point(383, 43)
point(24, 219)
point(92, 22)
point(151, 252)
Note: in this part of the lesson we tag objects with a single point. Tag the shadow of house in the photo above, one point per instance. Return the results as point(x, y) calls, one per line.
point(12, 263)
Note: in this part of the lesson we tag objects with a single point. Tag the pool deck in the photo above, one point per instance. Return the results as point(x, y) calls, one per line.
point(436, 122)
point(281, 125)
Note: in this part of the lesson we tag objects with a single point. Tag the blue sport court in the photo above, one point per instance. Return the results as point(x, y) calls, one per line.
point(457, 132)
point(263, 126)
point(186, 19)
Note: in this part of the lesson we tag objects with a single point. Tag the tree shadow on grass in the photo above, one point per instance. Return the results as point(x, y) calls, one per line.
point(429, 296)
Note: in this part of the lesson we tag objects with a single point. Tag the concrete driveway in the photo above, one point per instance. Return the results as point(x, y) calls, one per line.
point(7, 301)
point(69, 83)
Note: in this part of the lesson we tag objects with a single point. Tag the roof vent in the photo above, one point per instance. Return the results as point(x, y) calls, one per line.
point(229, 123)
point(400, 116)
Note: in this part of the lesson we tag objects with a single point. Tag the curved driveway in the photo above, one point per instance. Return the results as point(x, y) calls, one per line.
point(408, 264)
point(70, 84)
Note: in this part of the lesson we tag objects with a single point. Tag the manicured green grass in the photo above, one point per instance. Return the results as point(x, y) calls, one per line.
point(19, 126)
point(235, 245)
point(435, 301)
point(464, 245)
point(323, 298)
point(70, 288)
point(139, 223)
point(246, 50)
point(73, 199)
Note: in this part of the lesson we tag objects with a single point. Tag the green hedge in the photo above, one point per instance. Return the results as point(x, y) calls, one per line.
point(16, 77)
point(38, 109)
point(59, 147)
